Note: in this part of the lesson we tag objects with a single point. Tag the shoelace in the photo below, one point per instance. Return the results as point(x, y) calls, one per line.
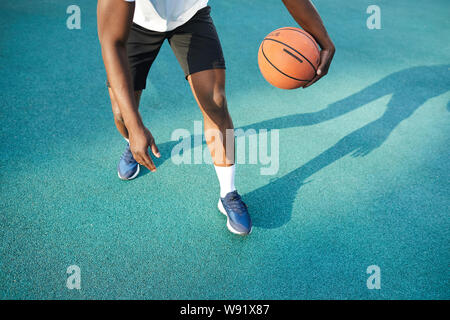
point(235, 202)
point(127, 156)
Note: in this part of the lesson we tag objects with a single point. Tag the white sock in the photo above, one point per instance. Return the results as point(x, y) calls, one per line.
point(226, 179)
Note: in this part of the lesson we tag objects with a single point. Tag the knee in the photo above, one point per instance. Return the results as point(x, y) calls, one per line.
point(216, 108)
point(220, 101)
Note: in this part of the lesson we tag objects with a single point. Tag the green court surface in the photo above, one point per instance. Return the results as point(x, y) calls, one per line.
point(363, 173)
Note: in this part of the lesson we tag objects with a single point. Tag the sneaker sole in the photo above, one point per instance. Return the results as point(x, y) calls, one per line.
point(133, 176)
point(230, 228)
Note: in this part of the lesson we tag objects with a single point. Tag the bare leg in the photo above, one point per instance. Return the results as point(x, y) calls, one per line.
point(208, 88)
point(116, 111)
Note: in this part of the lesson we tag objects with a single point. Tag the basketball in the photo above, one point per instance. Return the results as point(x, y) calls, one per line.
point(288, 58)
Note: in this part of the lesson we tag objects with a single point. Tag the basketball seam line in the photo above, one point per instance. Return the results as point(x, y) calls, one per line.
point(304, 33)
point(292, 55)
point(315, 70)
point(262, 50)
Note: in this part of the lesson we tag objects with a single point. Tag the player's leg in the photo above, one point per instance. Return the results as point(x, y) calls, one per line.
point(208, 87)
point(197, 48)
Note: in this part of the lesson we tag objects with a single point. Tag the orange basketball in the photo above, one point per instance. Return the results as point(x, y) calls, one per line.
point(288, 58)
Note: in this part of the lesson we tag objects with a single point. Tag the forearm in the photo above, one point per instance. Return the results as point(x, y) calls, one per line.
point(114, 18)
point(306, 15)
point(119, 78)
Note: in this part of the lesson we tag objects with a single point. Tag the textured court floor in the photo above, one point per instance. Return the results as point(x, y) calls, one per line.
point(363, 173)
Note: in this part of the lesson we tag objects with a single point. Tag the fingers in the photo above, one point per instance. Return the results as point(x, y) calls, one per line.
point(319, 74)
point(155, 150)
point(322, 69)
point(148, 162)
point(143, 158)
point(138, 158)
point(314, 80)
point(152, 144)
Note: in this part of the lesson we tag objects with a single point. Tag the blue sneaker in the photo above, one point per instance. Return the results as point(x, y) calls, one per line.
point(128, 168)
point(238, 219)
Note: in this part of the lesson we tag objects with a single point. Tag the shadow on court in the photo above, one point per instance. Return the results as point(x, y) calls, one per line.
point(271, 205)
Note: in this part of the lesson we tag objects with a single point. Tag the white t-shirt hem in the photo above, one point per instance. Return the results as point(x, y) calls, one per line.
point(147, 16)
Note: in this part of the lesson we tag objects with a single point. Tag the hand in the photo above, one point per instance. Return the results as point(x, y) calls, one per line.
point(326, 55)
point(140, 141)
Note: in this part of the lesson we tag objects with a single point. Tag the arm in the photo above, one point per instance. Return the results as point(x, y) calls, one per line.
point(306, 15)
point(114, 19)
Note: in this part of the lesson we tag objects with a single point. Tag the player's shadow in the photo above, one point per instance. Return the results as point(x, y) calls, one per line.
point(271, 205)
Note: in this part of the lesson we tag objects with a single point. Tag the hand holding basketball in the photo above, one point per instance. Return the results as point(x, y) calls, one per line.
point(326, 56)
point(290, 58)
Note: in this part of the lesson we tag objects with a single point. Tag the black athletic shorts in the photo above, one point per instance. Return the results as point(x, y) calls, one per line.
point(195, 44)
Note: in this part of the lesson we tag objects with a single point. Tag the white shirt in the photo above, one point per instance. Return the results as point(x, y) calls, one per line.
point(165, 15)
